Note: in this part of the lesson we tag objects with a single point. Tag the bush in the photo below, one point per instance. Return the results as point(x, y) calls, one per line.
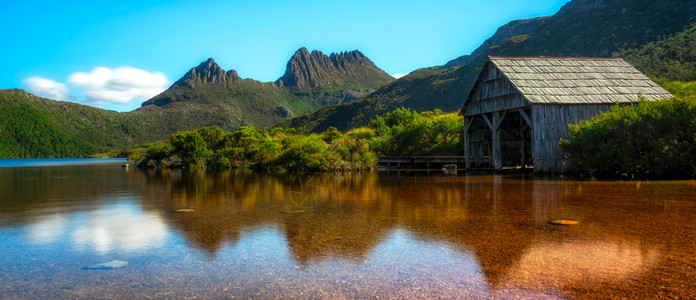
point(362, 133)
point(191, 147)
point(406, 132)
point(648, 140)
point(304, 154)
point(402, 132)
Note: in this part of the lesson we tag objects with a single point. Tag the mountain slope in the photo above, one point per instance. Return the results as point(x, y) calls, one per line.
point(580, 28)
point(448, 86)
point(672, 57)
point(206, 95)
point(517, 29)
point(37, 127)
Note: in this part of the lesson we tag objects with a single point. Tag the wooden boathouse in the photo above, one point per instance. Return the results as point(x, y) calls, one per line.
point(518, 109)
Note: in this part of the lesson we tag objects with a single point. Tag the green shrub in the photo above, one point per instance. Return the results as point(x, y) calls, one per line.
point(406, 132)
point(647, 140)
point(191, 147)
point(400, 132)
point(304, 154)
point(362, 133)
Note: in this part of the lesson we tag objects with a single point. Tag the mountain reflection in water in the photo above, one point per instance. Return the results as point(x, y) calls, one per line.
point(403, 235)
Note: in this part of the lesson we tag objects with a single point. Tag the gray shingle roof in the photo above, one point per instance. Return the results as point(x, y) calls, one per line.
point(572, 80)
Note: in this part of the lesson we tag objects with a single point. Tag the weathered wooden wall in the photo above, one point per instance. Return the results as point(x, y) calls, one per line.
point(550, 126)
point(493, 92)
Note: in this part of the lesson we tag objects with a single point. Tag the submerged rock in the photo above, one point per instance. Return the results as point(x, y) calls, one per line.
point(109, 265)
point(563, 222)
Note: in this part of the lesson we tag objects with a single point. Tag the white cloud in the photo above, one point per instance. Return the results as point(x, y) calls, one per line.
point(120, 85)
point(399, 75)
point(47, 88)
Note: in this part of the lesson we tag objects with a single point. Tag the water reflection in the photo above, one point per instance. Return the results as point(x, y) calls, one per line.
point(486, 234)
point(111, 227)
point(562, 264)
point(119, 226)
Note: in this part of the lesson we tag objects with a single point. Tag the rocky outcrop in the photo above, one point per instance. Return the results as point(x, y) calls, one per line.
point(316, 70)
point(208, 95)
point(207, 72)
point(347, 75)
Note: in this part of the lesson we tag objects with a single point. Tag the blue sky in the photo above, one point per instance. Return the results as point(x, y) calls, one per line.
point(116, 54)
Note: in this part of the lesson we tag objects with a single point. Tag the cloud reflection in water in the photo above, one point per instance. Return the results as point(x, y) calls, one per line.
point(121, 226)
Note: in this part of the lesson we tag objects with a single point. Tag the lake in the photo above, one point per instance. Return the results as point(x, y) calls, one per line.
point(178, 234)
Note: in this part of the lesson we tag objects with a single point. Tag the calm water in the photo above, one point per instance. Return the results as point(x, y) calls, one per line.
point(371, 235)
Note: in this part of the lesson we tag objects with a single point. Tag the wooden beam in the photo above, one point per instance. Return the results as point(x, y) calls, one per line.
point(488, 121)
point(467, 123)
point(500, 120)
point(525, 117)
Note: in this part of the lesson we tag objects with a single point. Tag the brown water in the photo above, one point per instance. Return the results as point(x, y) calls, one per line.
point(374, 235)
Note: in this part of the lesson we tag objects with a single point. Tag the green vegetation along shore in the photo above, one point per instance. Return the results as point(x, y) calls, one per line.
point(650, 140)
point(401, 132)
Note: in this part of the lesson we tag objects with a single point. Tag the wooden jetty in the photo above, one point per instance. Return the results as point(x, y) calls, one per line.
point(424, 162)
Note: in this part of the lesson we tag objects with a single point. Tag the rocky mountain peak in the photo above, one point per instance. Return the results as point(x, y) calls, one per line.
point(315, 70)
point(207, 72)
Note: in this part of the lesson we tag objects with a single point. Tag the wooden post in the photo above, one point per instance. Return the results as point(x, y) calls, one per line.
point(497, 155)
point(496, 152)
point(522, 144)
point(467, 142)
point(491, 157)
point(525, 120)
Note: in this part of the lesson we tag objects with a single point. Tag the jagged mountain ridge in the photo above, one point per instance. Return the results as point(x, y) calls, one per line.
point(580, 28)
point(315, 77)
point(315, 70)
point(206, 95)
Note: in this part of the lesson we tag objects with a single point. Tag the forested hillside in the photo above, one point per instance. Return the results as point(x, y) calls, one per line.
point(581, 28)
point(671, 57)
